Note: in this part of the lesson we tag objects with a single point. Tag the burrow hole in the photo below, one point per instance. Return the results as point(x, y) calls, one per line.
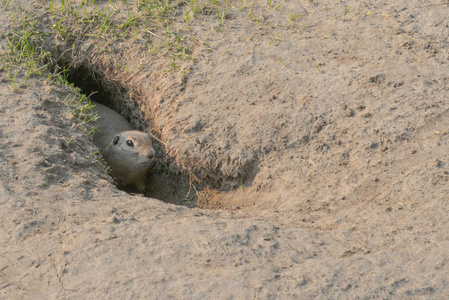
point(165, 181)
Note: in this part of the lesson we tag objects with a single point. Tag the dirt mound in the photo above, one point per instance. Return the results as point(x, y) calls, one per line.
point(303, 143)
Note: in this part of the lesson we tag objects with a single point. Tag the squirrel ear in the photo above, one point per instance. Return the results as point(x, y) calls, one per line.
point(115, 140)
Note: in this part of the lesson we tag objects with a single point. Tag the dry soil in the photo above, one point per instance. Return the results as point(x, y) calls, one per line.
point(303, 148)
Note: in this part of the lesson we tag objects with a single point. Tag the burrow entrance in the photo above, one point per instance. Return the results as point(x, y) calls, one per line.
point(165, 181)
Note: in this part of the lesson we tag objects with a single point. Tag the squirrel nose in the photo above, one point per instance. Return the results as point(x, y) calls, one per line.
point(151, 154)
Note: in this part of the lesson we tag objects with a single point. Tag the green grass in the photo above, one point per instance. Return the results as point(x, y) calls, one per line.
point(279, 5)
point(25, 57)
point(161, 26)
point(22, 60)
point(149, 22)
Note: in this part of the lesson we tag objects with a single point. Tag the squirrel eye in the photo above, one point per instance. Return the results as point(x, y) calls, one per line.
point(130, 143)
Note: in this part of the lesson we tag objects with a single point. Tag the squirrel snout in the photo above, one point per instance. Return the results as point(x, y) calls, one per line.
point(151, 154)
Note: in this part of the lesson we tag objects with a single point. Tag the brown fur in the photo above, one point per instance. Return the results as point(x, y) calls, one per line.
point(129, 153)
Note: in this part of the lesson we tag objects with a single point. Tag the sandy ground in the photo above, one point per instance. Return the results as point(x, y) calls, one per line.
point(319, 149)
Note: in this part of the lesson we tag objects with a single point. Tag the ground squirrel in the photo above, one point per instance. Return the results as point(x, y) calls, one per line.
point(129, 153)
